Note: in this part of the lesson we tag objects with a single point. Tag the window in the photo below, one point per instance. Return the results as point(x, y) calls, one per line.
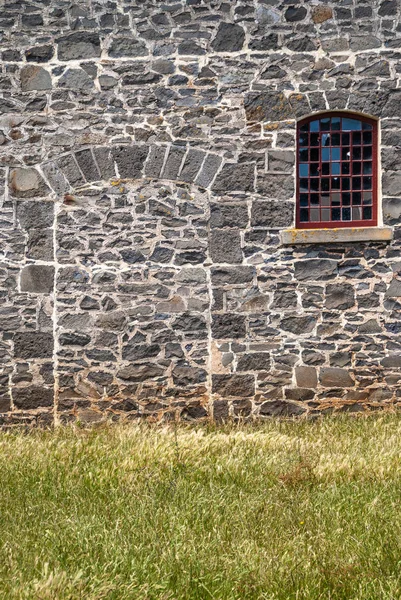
point(336, 171)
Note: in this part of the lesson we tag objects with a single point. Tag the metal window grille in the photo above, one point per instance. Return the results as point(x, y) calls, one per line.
point(336, 171)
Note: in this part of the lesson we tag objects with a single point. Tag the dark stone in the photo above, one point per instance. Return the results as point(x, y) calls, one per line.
point(100, 377)
point(35, 78)
point(335, 377)
point(33, 344)
point(125, 405)
point(155, 161)
point(76, 79)
point(303, 44)
point(209, 169)
point(233, 385)
point(285, 299)
point(37, 279)
point(232, 275)
point(268, 42)
point(235, 177)
point(190, 322)
point(228, 326)
point(295, 13)
point(140, 372)
point(88, 303)
point(173, 162)
point(161, 255)
point(280, 408)
point(255, 361)
point(276, 187)
point(31, 397)
point(315, 269)
point(273, 215)
point(392, 362)
point(306, 377)
point(300, 394)
point(74, 339)
point(388, 8)
point(225, 246)
point(229, 38)
point(133, 351)
point(192, 164)
point(132, 256)
point(99, 355)
point(340, 296)
point(394, 289)
point(220, 411)
point(228, 215)
point(194, 412)
point(183, 376)
point(39, 54)
point(87, 165)
point(190, 48)
point(192, 257)
point(130, 160)
point(267, 106)
point(35, 214)
point(105, 162)
point(79, 45)
point(369, 327)
point(298, 325)
point(40, 244)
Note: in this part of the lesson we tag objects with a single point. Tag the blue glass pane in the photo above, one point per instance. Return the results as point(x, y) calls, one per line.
point(303, 199)
point(325, 154)
point(335, 123)
point(314, 125)
point(303, 170)
point(335, 154)
point(325, 124)
point(351, 125)
point(366, 126)
point(325, 139)
point(335, 169)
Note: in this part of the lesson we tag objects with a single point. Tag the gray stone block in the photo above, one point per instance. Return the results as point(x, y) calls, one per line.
point(35, 78)
point(79, 45)
point(335, 377)
point(280, 408)
point(272, 215)
point(340, 296)
point(306, 377)
point(31, 397)
point(228, 326)
point(254, 361)
point(233, 385)
point(234, 177)
point(267, 106)
point(130, 160)
point(173, 162)
point(127, 46)
point(229, 38)
point(40, 244)
point(225, 246)
point(192, 164)
point(298, 325)
point(315, 269)
point(70, 170)
point(35, 214)
point(37, 279)
point(209, 169)
point(232, 275)
point(87, 165)
point(105, 162)
point(155, 161)
point(228, 215)
point(33, 344)
point(76, 79)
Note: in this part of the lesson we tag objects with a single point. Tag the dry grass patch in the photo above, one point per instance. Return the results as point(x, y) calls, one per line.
point(302, 510)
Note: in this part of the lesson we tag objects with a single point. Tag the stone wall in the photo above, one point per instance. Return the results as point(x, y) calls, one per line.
point(147, 168)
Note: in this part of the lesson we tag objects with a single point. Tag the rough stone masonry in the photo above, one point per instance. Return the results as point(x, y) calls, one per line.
point(147, 169)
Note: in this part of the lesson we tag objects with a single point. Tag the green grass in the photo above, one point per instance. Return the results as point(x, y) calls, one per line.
point(283, 510)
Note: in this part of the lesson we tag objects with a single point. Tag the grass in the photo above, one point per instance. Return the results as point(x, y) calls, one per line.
point(282, 510)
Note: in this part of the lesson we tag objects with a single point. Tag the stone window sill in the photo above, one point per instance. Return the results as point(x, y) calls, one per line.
point(290, 237)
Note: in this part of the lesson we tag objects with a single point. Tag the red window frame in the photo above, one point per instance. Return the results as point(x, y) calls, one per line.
point(333, 224)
